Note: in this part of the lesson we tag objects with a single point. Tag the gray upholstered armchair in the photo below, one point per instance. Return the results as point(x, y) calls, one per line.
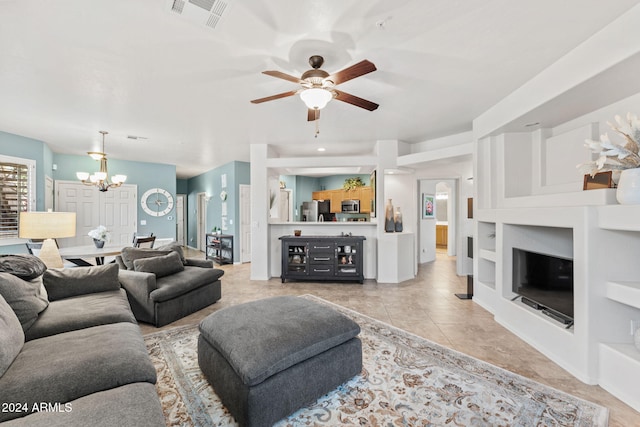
point(163, 286)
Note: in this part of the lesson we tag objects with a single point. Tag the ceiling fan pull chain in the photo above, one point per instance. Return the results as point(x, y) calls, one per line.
point(317, 127)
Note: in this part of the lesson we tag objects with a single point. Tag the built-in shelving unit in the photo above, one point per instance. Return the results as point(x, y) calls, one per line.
point(220, 248)
point(527, 186)
point(486, 254)
point(619, 360)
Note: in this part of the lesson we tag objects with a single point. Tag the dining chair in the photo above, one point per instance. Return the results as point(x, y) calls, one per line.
point(144, 241)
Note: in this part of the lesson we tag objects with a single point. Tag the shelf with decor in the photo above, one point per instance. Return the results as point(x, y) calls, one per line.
point(220, 248)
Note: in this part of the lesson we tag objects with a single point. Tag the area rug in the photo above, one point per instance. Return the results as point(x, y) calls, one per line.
point(405, 381)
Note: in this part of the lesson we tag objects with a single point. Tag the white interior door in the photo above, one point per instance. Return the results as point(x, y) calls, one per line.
point(181, 225)
point(119, 212)
point(48, 193)
point(245, 223)
point(116, 209)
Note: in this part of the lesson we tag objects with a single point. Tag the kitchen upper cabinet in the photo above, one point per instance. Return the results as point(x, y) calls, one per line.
point(351, 194)
point(336, 197)
point(366, 195)
point(321, 195)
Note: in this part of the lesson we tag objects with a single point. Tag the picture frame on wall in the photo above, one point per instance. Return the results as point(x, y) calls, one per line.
point(428, 206)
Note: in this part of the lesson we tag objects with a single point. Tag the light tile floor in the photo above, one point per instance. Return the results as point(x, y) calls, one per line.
point(425, 306)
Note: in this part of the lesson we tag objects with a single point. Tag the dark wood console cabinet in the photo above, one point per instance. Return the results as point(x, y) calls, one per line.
point(334, 258)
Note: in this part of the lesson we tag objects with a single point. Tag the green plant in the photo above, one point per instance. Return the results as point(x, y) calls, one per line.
point(352, 183)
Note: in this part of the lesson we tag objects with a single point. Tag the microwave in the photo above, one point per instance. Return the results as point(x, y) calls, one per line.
point(351, 206)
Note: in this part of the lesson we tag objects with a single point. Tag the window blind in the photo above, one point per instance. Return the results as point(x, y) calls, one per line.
point(14, 197)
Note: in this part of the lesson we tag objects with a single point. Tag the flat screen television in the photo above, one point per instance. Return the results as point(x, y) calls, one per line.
point(545, 280)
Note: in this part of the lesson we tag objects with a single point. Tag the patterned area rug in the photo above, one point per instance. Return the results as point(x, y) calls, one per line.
point(406, 381)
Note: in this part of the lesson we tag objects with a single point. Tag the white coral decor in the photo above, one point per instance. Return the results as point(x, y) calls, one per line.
point(100, 233)
point(616, 155)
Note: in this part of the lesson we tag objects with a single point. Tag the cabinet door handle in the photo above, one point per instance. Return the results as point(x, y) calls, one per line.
point(321, 247)
point(321, 259)
point(315, 270)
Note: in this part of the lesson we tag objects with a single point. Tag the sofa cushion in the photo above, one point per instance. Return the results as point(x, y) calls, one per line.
point(11, 336)
point(26, 267)
point(68, 282)
point(83, 311)
point(191, 278)
point(129, 255)
point(25, 297)
point(173, 247)
point(68, 366)
point(130, 405)
point(161, 266)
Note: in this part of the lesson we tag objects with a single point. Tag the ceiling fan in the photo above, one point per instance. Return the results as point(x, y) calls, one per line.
point(318, 86)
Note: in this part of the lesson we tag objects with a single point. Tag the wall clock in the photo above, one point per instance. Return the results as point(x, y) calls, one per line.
point(156, 202)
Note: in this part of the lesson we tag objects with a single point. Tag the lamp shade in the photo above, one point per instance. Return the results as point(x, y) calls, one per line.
point(316, 98)
point(47, 225)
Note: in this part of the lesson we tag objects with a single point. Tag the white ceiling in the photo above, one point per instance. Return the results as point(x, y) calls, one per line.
point(69, 68)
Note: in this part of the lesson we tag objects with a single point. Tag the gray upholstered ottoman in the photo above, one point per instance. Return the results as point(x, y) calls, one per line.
point(268, 358)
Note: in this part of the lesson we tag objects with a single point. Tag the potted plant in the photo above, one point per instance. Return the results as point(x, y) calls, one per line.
point(352, 183)
point(619, 156)
point(100, 235)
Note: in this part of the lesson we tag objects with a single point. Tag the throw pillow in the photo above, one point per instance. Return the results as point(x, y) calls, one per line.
point(131, 254)
point(11, 336)
point(160, 266)
point(175, 247)
point(26, 267)
point(24, 297)
point(69, 282)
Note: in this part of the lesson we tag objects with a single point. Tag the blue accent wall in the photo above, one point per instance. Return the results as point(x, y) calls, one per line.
point(337, 181)
point(27, 148)
point(145, 175)
point(142, 174)
point(210, 182)
point(182, 186)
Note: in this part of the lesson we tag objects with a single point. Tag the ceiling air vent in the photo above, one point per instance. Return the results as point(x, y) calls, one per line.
point(203, 12)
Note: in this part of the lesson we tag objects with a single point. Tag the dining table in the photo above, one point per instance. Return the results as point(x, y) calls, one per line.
point(78, 254)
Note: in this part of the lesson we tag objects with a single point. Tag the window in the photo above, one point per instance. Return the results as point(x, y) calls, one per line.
point(17, 193)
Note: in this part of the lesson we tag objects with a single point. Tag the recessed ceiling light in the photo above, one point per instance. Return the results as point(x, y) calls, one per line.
point(321, 149)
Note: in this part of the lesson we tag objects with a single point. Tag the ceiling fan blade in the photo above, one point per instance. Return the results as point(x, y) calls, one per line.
point(313, 114)
point(284, 76)
point(357, 70)
point(354, 100)
point(272, 97)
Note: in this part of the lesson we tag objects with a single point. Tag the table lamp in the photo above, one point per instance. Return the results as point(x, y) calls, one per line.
point(48, 226)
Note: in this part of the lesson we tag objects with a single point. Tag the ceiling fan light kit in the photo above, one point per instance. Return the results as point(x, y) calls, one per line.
point(316, 98)
point(317, 86)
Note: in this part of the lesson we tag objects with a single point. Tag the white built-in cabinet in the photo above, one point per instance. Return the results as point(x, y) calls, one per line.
point(528, 193)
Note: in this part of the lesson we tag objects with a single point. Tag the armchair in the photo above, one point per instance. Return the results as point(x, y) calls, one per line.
point(163, 286)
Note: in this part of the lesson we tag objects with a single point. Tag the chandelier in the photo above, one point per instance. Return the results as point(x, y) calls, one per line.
point(101, 179)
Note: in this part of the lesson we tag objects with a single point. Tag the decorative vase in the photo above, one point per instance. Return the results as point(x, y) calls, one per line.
point(99, 243)
point(397, 218)
point(628, 192)
point(389, 224)
point(636, 338)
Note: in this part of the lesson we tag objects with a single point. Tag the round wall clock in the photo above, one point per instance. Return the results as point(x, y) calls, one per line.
point(156, 202)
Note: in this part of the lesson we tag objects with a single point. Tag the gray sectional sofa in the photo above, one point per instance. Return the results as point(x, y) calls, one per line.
point(71, 353)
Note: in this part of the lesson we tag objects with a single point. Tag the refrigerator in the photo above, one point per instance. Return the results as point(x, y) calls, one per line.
point(316, 210)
